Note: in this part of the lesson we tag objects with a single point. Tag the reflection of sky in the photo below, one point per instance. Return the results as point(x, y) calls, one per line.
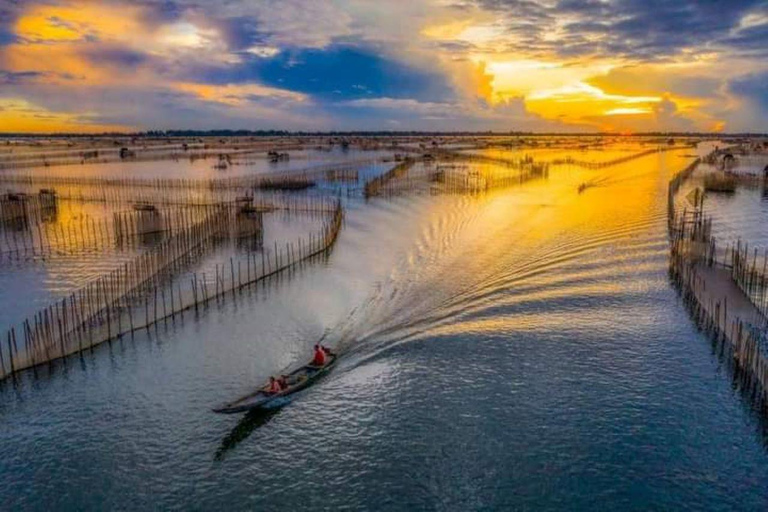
point(30, 284)
point(320, 65)
point(29, 287)
point(242, 165)
point(740, 216)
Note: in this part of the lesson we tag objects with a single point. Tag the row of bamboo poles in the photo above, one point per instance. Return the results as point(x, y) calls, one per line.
point(106, 157)
point(124, 229)
point(80, 146)
point(35, 152)
point(446, 178)
point(102, 155)
point(515, 163)
point(23, 207)
point(744, 343)
point(750, 272)
point(693, 256)
point(518, 163)
point(128, 228)
point(616, 161)
point(377, 185)
point(483, 180)
point(744, 339)
point(526, 169)
point(76, 317)
point(674, 186)
point(182, 191)
point(149, 289)
point(312, 172)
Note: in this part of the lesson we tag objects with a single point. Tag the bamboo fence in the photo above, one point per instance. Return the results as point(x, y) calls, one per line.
point(123, 229)
point(694, 262)
point(147, 290)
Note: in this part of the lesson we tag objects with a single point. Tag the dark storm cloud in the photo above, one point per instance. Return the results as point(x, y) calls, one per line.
point(13, 78)
point(6, 37)
point(641, 29)
point(753, 87)
point(239, 33)
point(102, 55)
point(750, 41)
point(9, 12)
point(157, 12)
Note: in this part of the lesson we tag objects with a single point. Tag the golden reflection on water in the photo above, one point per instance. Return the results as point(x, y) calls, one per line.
point(547, 252)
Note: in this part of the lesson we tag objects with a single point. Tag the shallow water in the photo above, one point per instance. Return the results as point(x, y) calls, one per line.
point(199, 168)
point(740, 216)
point(521, 349)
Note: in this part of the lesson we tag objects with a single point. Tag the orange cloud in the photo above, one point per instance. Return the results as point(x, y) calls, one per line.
point(18, 115)
point(235, 95)
point(54, 40)
point(77, 21)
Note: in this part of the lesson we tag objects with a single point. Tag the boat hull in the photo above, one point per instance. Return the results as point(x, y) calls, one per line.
point(297, 380)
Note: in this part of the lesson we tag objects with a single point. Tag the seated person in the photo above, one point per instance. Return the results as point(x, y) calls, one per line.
point(274, 386)
point(320, 357)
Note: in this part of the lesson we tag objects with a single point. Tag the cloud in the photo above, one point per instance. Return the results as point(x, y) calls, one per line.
point(237, 95)
point(510, 114)
point(645, 30)
point(403, 104)
point(753, 87)
point(282, 23)
point(19, 115)
point(467, 64)
point(10, 77)
point(352, 71)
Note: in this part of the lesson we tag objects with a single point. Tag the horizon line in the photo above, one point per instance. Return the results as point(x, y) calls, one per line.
point(270, 132)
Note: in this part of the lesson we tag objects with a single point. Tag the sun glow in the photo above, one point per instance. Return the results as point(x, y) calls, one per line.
point(627, 111)
point(18, 115)
point(582, 102)
point(523, 77)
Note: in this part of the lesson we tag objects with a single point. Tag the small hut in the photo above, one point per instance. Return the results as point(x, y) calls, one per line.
point(126, 153)
point(224, 162)
point(249, 224)
point(48, 204)
point(13, 206)
point(728, 162)
point(275, 157)
point(148, 219)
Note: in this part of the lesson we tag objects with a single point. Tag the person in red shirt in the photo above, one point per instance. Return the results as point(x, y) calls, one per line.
point(274, 386)
point(320, 356)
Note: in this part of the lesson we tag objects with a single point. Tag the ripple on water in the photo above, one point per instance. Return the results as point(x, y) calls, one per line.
point(515, 350)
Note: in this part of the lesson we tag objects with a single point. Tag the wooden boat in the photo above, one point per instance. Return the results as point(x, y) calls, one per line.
point(296, 381)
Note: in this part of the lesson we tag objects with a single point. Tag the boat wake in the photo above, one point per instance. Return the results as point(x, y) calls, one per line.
point(479, 262)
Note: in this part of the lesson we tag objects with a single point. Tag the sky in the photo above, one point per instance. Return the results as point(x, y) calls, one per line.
point(620, 66)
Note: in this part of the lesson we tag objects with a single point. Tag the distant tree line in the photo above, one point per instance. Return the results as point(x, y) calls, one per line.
point(367, 133)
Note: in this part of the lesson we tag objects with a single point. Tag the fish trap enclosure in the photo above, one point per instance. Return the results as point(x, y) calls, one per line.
point(148, 289)
point(724, 288)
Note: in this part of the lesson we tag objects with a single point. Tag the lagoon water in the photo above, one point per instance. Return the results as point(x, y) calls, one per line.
point(520, 349)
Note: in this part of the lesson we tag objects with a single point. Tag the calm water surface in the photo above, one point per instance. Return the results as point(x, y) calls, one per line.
point(521, 349)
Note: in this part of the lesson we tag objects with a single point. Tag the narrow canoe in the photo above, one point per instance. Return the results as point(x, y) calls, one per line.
point(296, 380)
